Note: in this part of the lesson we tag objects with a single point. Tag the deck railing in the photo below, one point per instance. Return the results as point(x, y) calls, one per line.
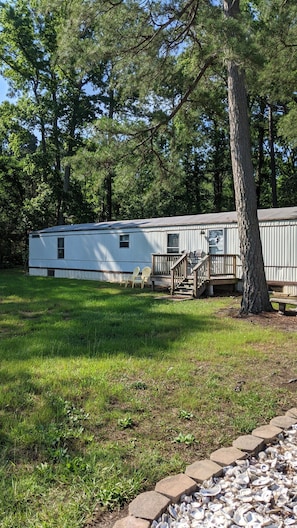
point(201, 274)
point(178, 271)
point(222, 265)
point(178, 267)
point(163, 262)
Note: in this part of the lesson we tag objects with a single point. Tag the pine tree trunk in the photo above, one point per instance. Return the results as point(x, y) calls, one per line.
point(260, 161)
point(217, 176)
point(255, 297)
point(272, 157)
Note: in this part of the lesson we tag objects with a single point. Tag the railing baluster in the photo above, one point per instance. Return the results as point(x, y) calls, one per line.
point(178, 271)
point(176, 266)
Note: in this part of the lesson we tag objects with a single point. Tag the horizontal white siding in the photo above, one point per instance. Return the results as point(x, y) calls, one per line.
point(91, 251)
point(97, 255)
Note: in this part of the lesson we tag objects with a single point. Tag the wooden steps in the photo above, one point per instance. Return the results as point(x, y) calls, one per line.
point(186, 287)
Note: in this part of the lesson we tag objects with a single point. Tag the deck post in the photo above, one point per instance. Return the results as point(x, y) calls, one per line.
point(171, 281)
point(210, 290)
point(234, 265)
point(153, 264)
point(195, 286)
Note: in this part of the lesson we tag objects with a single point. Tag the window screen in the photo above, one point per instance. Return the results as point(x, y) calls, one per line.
point(172, 243)
point(60, 248)
point(124, 241)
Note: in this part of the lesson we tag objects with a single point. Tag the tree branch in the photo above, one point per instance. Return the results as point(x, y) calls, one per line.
point(192, 87)
point(151, 131)
point(147, 40)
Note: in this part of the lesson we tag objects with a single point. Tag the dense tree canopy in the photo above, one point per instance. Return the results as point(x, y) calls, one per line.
point(120, 109)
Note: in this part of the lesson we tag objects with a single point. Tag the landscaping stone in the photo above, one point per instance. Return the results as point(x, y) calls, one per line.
point(249, 443)
point(256, 492)
point(226, 456)
point(267, 432)
point(132, 522)
point(148, 505)
point(175, 486)
point(292, 412)
point(283, 421)
point(202, 470)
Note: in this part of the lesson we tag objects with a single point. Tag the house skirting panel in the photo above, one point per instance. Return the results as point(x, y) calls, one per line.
point(108, 276)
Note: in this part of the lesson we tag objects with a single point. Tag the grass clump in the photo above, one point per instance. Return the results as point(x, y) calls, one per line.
point(126, 423)
point(104, 391)
point(188, 439)
point(186, 415)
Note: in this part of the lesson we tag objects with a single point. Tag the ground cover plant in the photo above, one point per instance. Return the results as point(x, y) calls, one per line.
point(105, 390)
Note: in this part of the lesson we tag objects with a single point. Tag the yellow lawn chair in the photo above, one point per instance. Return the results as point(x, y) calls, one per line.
point(132, 277)
point(145, 275)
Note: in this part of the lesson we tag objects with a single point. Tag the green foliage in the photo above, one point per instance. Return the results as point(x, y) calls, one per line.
point(13, 236)
point(139, 385)
point(106, 128)
point(77, 356)
point(113, 494)
point(126, 423)
point(185, 415)
point(38, 210)
point(287, 125)
point(188, 439)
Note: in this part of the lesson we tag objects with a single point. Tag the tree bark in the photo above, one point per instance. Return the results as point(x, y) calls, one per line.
point(260, 160)
point(110, 173)
point(217, 176)
point(255, 297)
point(272, 157)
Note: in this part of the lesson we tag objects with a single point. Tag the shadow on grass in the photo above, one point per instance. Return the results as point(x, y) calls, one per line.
point(43, 317)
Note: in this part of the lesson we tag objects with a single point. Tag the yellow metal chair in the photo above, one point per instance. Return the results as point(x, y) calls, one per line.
point(132, 277)
point(145, 275)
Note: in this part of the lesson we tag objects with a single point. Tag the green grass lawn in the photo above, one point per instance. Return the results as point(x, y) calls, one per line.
point(105, 390)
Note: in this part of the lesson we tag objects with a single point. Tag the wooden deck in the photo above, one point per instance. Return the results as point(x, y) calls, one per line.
point(186, 276)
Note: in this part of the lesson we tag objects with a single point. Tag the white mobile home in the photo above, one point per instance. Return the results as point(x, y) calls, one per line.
point(110, 250)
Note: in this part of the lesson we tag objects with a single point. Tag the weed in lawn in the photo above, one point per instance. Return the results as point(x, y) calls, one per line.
point(185, 415)
point(78, 356)
point(188, 439)
point(114, 494)
point(139, 385)
point(126, 423)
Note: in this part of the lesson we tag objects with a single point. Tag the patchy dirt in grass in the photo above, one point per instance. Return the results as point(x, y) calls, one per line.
point(285, 323)
point(103, 519)
point(281, 376)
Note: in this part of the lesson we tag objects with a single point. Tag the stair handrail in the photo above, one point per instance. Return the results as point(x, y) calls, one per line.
point(201, 274)
point(178, 272)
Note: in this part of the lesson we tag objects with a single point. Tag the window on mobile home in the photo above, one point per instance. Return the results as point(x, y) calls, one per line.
point(61, 248)
point(124, 241)
point(172, 243)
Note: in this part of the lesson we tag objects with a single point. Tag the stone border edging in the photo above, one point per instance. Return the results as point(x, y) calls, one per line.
point(150, 505)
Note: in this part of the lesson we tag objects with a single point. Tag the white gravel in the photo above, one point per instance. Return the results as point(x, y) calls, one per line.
point(257, 492)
